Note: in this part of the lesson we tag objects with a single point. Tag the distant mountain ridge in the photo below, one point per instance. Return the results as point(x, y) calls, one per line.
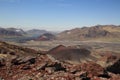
point(11, 32)
point(36, 32)
point(19, 32)
point(19, 35)
point(46, 37)
point(99, 31)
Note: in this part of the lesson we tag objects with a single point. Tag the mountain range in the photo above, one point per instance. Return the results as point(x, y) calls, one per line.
point(88, 33)
point(11, 32)
point(98, 32)
point(36, 32)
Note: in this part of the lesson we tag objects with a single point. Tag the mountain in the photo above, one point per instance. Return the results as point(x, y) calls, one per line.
point(88, 33)
point(21, 31)
point(36, 32)
point(11, 32)
point(46, 37)
point(19, 35)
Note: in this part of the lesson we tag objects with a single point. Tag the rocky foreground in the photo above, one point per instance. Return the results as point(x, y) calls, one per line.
point(18, 63)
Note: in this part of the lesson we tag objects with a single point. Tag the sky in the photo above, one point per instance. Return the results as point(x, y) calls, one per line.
point(58, 15)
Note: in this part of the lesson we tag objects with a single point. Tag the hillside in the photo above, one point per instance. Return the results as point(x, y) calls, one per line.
point(45, 37)
point(18, 63)
point(99, 32)
point(64, 53)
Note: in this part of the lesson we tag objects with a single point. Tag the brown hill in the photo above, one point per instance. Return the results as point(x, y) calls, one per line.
point(46, 37)
point(86, 33)
point(63, 53)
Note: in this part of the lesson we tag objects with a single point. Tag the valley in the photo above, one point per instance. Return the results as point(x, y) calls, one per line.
point(96, 45)
point(59, 39)
point(78, 54)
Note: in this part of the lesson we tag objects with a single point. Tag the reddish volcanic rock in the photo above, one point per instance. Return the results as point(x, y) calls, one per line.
point(107, 58)
point(92, 69)
point(46, 37)
point(42, 38)
point(41, 67)
point(58, 48)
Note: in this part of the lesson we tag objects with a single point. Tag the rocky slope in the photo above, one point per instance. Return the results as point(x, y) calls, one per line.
point(87, 33)
point(18, 63)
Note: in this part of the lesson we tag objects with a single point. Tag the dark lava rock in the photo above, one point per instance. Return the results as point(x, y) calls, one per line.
point(26, 67)
point(20, 60)
point(58, 66)
point(2, 62)
point(41, 66)
point(115, 68)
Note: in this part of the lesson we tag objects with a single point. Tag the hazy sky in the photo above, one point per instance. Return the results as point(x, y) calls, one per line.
point(58, 14)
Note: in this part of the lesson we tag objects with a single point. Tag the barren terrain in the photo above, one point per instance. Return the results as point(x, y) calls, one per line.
point(59, 60)
point(94, 45)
